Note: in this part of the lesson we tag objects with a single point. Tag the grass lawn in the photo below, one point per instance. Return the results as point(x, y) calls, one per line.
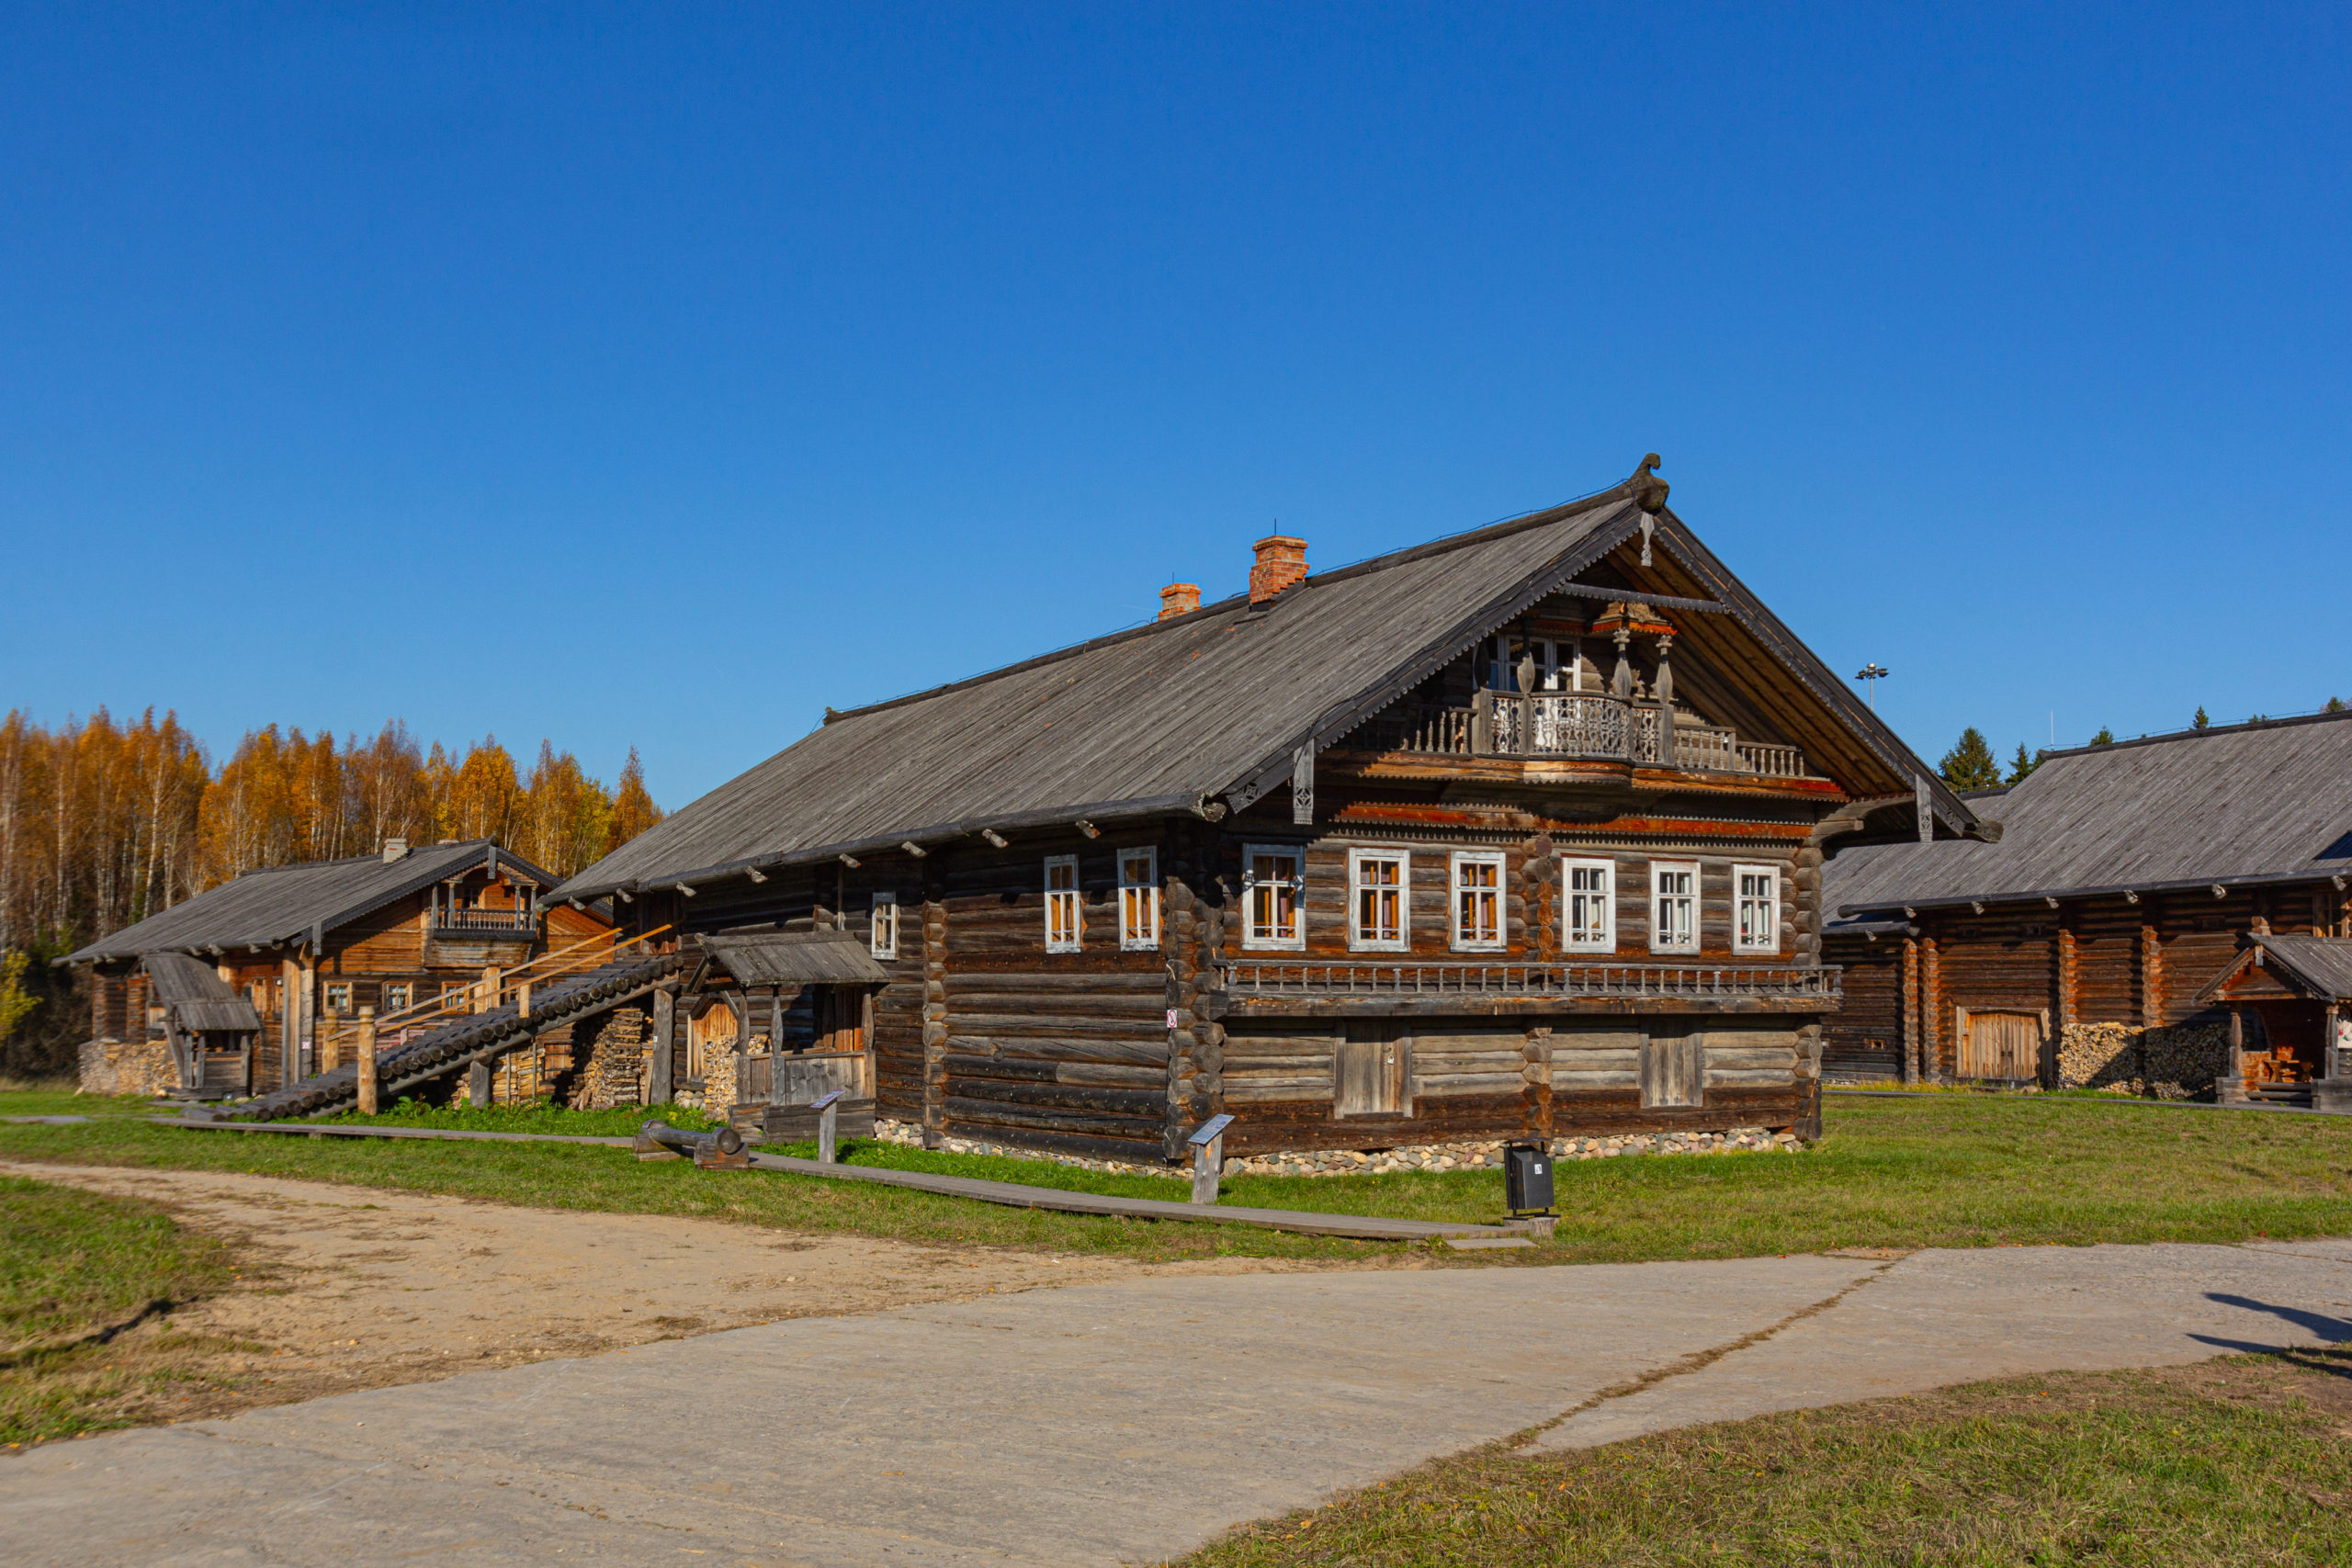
point(77, 1270)
point(1937, 1170)
point(2240, 1461)
point(61, 1099)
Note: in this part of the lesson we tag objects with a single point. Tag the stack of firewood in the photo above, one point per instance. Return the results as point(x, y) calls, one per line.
point(611, 1061)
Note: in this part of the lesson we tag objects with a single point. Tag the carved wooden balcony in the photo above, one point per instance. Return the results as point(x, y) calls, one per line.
point(1588, 727)
point(521, 921)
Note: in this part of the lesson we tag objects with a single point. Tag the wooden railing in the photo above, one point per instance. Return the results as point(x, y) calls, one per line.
point(521, 918)
point(1590, 727)
point(495, 989)
point(1244, 978)
point(807, 1074)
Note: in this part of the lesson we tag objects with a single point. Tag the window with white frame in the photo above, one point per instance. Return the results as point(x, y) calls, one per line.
point(1477, 900)
point(1378, 888)
point(1756, 909)
point(882, 927)
point(1674, 906)
point(1589, 905)
point(1139, 900)
point(1061, 904)
point(1272, 878)
point(1558, 665)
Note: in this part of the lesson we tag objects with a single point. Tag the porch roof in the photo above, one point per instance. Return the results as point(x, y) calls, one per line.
point(199, 998)
point(796, 958)
point(2321, 964)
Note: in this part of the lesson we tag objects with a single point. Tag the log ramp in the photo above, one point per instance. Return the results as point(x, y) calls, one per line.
point(477, 1037)
point(1013, 1194)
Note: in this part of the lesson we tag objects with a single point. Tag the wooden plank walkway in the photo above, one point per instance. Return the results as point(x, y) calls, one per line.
point(1013, 1194)
point(1363, 1227)
point(313, 1130)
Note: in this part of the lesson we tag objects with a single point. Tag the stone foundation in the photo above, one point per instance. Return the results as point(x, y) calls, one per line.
point(1481, 1155)
point(126, 1066)
point(2177, 1062)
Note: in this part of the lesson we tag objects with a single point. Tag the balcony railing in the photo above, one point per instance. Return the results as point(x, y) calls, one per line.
point(1290, 978)
point(1592, 727)
point(477, 922)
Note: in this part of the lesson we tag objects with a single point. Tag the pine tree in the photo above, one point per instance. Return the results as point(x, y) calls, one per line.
point(2200, 721)
point(633, 809)
point(2023, 766)
point(2105, 736)
point(2335, 704)
point(1970, 764)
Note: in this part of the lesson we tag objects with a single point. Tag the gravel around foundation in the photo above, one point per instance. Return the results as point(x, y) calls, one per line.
point(1481, 1155)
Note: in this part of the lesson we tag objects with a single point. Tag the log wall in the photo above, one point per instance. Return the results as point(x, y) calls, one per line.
point(2091, 962)
point(982, 1033)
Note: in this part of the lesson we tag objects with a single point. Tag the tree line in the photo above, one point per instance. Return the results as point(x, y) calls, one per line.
point(1970, 764)
point(104, 823)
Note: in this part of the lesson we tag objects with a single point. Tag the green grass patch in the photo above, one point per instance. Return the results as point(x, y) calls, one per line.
point(2239, 1463)
point(61, 1099)
point(78, 1271)
point(1940, 1170)
point(534, 1116)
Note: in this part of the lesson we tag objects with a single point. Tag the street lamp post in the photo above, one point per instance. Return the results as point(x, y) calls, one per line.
point(1869, 675)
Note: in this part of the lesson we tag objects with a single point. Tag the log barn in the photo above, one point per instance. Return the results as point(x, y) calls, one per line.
point(248, 987)
point(1519, 832)
point(2145, 901)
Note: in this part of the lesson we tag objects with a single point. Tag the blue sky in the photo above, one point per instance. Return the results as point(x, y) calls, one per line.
point(659, 377)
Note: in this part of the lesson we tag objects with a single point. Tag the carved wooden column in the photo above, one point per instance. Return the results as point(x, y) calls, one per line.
point(1665, 758)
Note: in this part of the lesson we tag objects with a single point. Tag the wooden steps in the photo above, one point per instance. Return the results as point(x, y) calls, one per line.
point(457, 1044)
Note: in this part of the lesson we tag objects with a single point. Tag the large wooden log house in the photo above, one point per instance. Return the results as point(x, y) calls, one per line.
point(2147, 902)
point(294, 953)
point(1519, 832)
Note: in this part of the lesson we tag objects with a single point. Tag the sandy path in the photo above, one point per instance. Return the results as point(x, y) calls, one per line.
point(357, 1287)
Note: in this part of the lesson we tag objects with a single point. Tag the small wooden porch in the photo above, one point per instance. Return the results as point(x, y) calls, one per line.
point(2289, 1000)
point(800, 1009)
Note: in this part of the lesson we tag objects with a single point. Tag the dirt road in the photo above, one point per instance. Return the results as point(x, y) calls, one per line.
point(347, 1288)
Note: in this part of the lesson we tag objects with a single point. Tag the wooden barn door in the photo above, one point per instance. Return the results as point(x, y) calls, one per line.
point(2001, 1045)
point(1375, 1066)
point(1672, 1073)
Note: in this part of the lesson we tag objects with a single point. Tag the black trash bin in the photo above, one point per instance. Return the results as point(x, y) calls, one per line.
point(1527, 1179)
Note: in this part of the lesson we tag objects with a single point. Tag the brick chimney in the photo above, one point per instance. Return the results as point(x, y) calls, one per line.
point(1282, 561)
point(1179, 599)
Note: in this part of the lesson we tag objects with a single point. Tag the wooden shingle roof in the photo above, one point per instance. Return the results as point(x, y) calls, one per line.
point(796, 958)
point(1173, 715)
point(196, 995)
point(2240, 804)
point(286, 903)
